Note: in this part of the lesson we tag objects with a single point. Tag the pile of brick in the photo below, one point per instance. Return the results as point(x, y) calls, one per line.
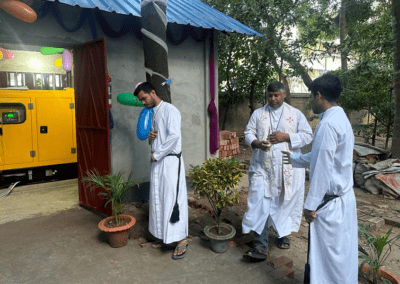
point(229, 144)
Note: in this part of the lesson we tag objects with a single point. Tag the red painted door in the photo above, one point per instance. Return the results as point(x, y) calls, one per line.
point(92, 121)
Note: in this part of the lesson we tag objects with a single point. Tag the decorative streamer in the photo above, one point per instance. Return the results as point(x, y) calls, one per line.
point(212, 109)
point(154, 26)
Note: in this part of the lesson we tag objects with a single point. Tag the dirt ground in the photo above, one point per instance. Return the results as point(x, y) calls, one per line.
point(367, 205)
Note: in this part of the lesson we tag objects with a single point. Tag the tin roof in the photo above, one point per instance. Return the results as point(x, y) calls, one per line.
point(184, 12)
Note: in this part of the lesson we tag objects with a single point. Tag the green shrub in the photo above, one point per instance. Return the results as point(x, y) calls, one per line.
point(216, 179)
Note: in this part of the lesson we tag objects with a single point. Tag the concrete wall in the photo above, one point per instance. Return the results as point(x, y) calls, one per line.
point(188, 68)
point(238, 116)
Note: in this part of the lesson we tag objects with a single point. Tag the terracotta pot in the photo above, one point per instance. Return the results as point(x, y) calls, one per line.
point(384, 274)
point(117, 236)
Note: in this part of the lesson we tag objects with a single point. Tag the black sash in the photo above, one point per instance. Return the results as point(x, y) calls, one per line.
point(327, 198)
point(175, 211)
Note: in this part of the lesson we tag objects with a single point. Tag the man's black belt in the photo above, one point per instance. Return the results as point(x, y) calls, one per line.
point(327, 198)
point(175, 211)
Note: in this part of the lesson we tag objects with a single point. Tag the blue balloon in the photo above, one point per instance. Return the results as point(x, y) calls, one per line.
point(144, 123)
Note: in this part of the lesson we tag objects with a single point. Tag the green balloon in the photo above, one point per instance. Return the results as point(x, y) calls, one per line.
point(45, 50)
point(129, 99)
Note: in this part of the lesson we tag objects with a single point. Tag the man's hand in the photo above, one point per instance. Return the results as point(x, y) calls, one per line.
point(279, 137)
point(310, 215)
point(152, 135)
point(152, 158)
point(263, 145)
point(286, 157)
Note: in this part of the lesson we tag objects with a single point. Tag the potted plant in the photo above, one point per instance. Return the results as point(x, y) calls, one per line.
point(216, 179)
point(375, 254)
point(114, 188)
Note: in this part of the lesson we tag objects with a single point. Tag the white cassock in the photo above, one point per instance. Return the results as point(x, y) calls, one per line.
point(164, 176)
point(334, 242)
point(266, 199)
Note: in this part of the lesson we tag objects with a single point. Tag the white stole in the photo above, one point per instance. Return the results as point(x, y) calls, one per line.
point(289, 126)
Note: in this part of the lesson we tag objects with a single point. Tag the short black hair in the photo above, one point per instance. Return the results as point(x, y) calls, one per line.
point(276, 86)
point(329, 87)
point(145, 87)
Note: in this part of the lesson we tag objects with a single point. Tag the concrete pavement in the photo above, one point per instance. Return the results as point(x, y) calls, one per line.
point(67, 247)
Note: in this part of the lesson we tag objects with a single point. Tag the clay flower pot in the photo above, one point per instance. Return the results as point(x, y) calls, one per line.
point(384, 274)
point(117, 236)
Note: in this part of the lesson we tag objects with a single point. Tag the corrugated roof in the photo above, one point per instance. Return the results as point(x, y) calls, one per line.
point(185, 12)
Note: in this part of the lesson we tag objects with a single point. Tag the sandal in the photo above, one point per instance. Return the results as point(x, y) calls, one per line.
point(255, 255)
point(182, 246)
point(283, 243)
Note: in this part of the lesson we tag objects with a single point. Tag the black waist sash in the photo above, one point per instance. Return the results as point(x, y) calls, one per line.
point(175, 212)
point(327, 198)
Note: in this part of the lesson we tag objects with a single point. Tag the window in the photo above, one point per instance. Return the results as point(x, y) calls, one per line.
point(20, 79)
point(51, 85)
point(38, 80)
point(11, 79)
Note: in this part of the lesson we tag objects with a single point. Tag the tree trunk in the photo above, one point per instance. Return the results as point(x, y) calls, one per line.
point(387, 136)
point(342, 27)
point(374, 132)
point(226, 110)
point(396, 127)
point(154, 24)
point(251, 96)
point(283, 79)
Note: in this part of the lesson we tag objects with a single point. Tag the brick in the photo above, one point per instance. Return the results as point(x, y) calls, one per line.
point(208, 209)
point(280, 272)
point(364, 218)
point(377, 221)
point(193, 204)
point(232, 244)
point(283, 261)
point(383, 206)
point(372, 227)
point(395, 222)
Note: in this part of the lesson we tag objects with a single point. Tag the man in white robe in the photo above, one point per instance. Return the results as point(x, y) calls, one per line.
point(330, 206)
point(167, 162)
point(276, 191)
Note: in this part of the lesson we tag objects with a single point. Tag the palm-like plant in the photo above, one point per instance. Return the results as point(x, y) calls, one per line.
point(375, 255)
point(114, 186)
